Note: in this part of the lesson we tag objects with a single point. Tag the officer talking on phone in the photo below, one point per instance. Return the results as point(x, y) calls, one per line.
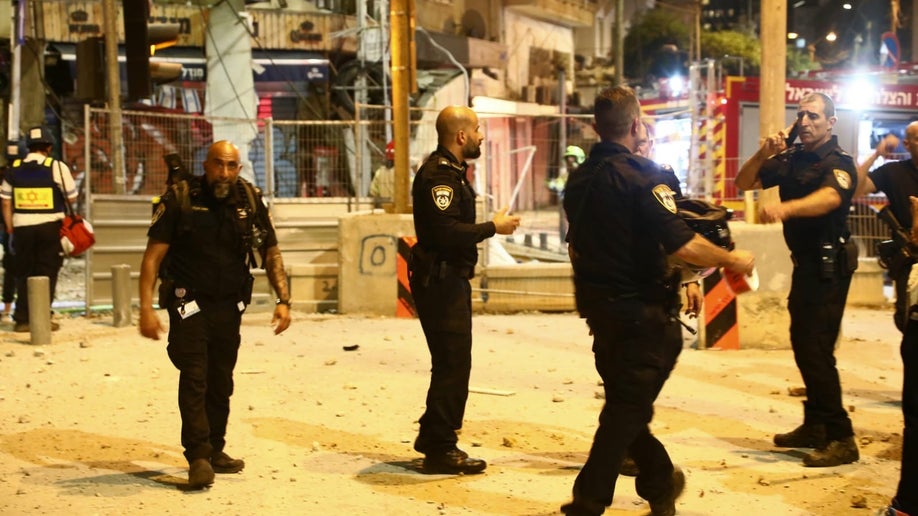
point(816, 181)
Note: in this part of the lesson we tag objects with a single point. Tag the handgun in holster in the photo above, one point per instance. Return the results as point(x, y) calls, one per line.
point(166, 293)
point(420, 265)
point(247, 288)
point(898, 253)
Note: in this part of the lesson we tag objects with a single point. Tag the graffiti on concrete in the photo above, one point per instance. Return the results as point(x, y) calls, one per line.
point(377, 255)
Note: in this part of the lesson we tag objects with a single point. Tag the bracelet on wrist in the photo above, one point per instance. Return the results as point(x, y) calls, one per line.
point(280, 301)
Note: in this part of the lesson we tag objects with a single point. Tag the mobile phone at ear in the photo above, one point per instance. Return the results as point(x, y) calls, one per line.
point(793, 133)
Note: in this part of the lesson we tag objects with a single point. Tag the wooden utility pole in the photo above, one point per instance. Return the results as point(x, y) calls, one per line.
point(696, 47)
point(110, 19)
point(17, 40)
point(619, 42)
point(401, 15)
point(771, 85)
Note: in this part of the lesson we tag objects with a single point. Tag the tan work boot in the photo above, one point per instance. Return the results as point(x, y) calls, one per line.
point(200, 474)
point(223, 463)
point(836, 453)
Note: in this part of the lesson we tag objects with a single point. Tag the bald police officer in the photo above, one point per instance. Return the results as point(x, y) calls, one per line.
point(443, 261)
point(202, 233)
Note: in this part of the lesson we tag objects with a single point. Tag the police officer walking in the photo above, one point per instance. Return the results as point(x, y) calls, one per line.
point(201, 243)
point(816, 181)
point(442, 262)
point(899, 181)
point(33, 193)
point(623, 227)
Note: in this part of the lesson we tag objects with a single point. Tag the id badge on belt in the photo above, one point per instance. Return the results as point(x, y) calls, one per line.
point(188, 309)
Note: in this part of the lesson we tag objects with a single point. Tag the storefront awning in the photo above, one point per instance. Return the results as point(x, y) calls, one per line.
point(294, 66)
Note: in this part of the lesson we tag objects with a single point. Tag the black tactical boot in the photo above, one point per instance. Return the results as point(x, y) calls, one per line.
point(836, 453)
point(811, 435)
point(666, 505)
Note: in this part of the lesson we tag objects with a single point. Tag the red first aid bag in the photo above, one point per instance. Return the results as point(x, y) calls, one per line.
point(76, 235)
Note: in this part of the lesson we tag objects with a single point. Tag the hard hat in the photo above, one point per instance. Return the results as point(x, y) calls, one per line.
point(390, 151)
point(39, 134)
point(577, 152)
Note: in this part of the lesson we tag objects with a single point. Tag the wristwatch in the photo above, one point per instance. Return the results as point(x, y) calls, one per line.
point(280, 301)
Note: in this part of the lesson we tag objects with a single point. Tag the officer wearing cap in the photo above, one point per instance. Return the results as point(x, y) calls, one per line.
point(201, 243)
point(32, 194)
point(442, 262)
point(816, 181)
point(623, 226)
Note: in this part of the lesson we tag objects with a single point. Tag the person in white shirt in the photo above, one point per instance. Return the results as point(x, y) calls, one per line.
point(33, 198)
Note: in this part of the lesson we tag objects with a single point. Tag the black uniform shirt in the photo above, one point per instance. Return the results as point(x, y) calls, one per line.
point(623, 221)
point(798, 173)
point(209, 257)
point(444, 211)
point(898, 180)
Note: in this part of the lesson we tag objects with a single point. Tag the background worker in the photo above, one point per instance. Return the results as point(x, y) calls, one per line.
point(8, 291)
point(442, 263)
point(382, 187)
point(816, 181)
point(32, 194)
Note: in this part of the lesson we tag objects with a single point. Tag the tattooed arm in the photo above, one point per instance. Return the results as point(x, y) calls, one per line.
point(277, 276)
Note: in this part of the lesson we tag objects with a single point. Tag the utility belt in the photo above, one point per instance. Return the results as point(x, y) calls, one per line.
point(172, 295)
point(443, 269)
point(665, 294)
point(424, 266)
point(833, 259)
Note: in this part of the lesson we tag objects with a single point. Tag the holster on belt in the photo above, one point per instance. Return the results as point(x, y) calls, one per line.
point(420, 265)
point(442, 269)
point(166, 292)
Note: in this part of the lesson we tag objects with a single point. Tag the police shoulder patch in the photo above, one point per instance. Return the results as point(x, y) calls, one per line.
point(158, 212)
point(843, 178)
point(442, 196)
point(665, 196)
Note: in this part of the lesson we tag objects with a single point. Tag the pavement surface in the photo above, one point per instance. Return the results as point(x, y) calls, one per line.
point(89, 423)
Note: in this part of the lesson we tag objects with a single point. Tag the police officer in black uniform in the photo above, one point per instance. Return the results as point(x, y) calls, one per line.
point(623, 227)
point(816, 181)
point(33, 207)
point(442, 262)
point(200, 242)
point(899, 181)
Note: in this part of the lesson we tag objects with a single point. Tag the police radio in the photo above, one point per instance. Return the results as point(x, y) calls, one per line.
point(176, 169)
